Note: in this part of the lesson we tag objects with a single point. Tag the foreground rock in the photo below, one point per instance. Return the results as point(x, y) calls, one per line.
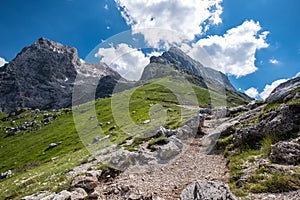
point(279, 122)
point(207, 190)
point(170, 150)
point(286, 152)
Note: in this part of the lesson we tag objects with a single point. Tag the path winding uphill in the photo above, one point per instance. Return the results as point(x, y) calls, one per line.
point(193, 174)
point(168, 181)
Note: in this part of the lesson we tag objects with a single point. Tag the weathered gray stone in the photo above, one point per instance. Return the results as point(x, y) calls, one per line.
point(38, 196)
point(297, 95)
point(86, 182)
point(134, 196)
point(63, 195)
point(281, 121)
point(185, 132)
point(207, 190)
point(78, 194)
point(286, 152)
point(43, 76)
point(94, 173)
point(122, 159)
point(168, 151)
point(235, 110)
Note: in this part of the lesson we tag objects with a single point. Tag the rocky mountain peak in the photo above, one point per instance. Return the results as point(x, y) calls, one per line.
point(181, 61)
point(175, 61)
point(42, 76)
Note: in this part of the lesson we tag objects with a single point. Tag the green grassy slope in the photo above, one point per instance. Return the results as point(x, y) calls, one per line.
point(34, 166)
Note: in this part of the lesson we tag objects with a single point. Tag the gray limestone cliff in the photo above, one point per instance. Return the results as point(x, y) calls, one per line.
point(42, 76)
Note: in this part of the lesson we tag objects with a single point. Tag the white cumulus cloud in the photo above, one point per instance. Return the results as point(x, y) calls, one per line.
point(269, 88)
point(234, 52)
point(252, 92)
point(128, 61)
point(2, 61)
point(188, 17)
point(273, 61)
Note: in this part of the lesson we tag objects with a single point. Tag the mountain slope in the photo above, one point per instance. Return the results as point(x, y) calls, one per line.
point(42, 76)
point(175, 60)
point(248, 162)
point(176, 63)
point(40, 147)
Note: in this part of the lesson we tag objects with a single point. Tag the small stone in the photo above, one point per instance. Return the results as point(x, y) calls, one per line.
point(134, 196)
point(79, 194)
point(51, 146)
point(6, 174)
point(94, 195)
point(85, 182)
point(94, 173)
point(146, 121)
point(112, 128)
point(96, 139)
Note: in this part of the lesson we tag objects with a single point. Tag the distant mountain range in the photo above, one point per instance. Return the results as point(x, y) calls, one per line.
point(43, 76)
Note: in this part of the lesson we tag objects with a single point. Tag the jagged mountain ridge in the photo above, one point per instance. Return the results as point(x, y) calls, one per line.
point(175, 61)
point(181, 62)
point(43, 75)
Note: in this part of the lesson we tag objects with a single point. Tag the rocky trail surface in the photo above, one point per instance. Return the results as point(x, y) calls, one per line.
point(197, 171)
point(168, 181)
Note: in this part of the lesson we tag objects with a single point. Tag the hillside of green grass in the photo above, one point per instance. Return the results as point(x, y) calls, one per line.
point(35, 166)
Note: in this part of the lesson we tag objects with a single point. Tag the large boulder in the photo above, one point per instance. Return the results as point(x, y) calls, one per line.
point(122, 159)
point(286, 152)
point(207, 190)
point(281, 121)
point(167, 152)
point(185, 132)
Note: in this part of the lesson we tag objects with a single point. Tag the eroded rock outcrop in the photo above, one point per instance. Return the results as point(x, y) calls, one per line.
point(278, 122)
point(43, 76)
point(286, 152)
point(206, 190)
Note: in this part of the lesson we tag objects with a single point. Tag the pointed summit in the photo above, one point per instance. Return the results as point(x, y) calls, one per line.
point(43, 75)
point(175, 62)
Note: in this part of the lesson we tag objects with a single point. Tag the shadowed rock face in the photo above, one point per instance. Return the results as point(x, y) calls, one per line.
point(42, 76)
point(174, 62)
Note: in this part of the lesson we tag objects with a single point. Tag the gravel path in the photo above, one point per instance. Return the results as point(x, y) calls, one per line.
point(166, 182)
point(169, 180)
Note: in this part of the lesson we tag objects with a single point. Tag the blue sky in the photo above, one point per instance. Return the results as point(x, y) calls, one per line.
point(257, 41)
